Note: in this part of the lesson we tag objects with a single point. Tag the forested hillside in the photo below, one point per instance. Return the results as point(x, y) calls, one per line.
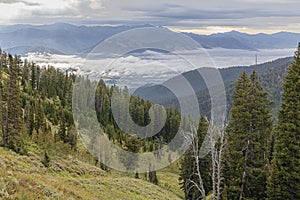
point(244, 161)
point(270, 74)
point(36, 104)
point(37, 122)
point(251, 156)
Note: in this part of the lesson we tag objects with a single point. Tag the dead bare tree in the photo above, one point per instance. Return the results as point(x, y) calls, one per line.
point(193, 142)
point(213, 145)
point(217, 141)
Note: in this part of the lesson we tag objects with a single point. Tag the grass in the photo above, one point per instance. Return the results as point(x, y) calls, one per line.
point(25, 177)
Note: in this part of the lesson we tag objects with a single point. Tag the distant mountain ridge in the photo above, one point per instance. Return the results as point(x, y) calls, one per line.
point(237, 40)
point(71, 39)
point(64, 38)
point(23, 50)
point(271, 76)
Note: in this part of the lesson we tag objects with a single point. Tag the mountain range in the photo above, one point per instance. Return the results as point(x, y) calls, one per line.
point(271, 75)
point(237, 40)
point(62, 38)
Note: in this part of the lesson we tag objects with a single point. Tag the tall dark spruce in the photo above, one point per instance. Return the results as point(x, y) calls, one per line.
point(14, 113)
point(284, 181)
point(249, 133)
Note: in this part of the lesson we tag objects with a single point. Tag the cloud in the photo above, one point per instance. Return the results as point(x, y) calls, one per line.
point(83, 9)
point(27, 3)
point(153, 67)
point(177, 13)
point(230, 9)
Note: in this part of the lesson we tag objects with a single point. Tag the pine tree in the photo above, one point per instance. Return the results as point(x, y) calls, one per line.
point(132, 144)
point(153, 177)
point(249, 132)
point(46, 160)
point(40, 122)
point(62, 132)
point(284, 181)
point(33, 77)
point(1, 99)
point(14, 110)
point(25, 75)
point(29, 117)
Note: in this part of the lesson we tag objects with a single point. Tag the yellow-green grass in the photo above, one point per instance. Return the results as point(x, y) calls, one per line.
point(25, 177)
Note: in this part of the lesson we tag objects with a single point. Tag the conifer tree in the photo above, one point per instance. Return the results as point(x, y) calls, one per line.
point(14, 110)
point(33, 77)
point(40, 122)
point(132, 144)
point(30, 121)
point(46, 160)
point(153, 177)
point(1, 98)
point(284, 181)
point(2, 107)
point(249, 132)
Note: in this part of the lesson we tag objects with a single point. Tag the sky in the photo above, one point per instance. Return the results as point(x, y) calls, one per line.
point(197, 16)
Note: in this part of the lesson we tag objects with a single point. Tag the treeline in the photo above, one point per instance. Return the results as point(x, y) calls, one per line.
point(36, 108)
point(139, 113)
point(261, 159)
point(35, 105)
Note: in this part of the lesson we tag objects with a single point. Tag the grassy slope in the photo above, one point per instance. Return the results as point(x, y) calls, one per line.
point(24, 177)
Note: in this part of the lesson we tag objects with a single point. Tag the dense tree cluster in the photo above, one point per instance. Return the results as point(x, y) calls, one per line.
point(284, 181)
point(33, 101)
point(261, 159)
point(139, 113)
point(249, 134)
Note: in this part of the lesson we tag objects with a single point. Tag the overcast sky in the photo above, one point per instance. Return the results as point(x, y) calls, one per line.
point(196, 16)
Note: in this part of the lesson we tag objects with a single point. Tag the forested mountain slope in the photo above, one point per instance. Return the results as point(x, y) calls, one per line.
point(41, 154)
point(270, 74)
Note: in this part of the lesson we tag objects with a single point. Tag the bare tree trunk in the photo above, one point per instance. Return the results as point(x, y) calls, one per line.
point(220, 162)
point(212, 132)
point(193, 140)
point(217, 145)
